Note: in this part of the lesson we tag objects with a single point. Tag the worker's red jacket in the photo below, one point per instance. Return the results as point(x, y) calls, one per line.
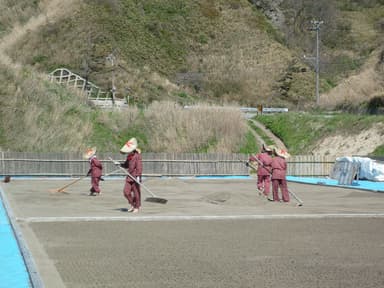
point(96, 167)
point(264, 161)
point(279, 168)
point(134, 165)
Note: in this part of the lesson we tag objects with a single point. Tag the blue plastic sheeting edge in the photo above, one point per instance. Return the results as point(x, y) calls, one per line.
point(356, 184)
point(236, 177)
point(31, 177)
point(13, 271)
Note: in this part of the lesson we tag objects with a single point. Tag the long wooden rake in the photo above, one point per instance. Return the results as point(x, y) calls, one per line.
point(153, 197)
point(62, 189)
point(298, 200)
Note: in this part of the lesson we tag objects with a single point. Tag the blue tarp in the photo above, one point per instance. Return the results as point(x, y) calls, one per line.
point(356, 184)
point(13, 272)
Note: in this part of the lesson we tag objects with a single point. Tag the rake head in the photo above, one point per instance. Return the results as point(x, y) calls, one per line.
point(156, 200)
point(59, 190)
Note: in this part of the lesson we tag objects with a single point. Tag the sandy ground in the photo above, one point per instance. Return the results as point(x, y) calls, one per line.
point(360, 144)
point(211, 233)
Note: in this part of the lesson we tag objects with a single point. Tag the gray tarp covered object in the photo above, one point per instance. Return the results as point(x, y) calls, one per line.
point(369, 169)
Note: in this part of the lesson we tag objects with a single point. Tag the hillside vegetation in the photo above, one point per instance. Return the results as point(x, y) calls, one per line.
point(170, 53)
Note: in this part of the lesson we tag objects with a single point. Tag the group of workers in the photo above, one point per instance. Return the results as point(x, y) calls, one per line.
point(271, 166)
point(134, 168)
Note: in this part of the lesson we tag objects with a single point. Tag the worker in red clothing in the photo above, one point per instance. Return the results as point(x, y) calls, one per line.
point(95, 171)
point(134, 166)
point(279, 170)
point(264, 160)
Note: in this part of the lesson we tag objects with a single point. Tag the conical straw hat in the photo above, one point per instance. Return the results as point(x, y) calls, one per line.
point(130, 146)
point(89, 153)
point(282, 153)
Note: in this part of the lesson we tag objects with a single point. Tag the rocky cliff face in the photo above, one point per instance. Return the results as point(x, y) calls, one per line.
point(271, 9)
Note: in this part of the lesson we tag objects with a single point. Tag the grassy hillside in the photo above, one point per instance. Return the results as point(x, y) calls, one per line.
point(222, 51)
point(180, 52)
point(39, 116)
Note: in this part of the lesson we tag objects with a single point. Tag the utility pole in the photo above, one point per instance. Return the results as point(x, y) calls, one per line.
point(316, 27)
point(112, 59)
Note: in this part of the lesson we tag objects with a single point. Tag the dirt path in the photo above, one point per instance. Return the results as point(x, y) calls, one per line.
point(52, 12)
point(258, 138)
point(276, 140)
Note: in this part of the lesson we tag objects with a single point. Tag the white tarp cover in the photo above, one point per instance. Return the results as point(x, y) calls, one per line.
point(369, 168)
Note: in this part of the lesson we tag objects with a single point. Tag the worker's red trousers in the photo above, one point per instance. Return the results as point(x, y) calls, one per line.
point(132, 193)
point(264, 183)
point(95, 184)
point(282, 183)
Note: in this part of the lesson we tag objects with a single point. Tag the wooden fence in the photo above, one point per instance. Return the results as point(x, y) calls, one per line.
point(310, 165)
point(154, 164)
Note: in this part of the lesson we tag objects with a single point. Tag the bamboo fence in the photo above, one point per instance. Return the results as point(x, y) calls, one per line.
point(154, 164)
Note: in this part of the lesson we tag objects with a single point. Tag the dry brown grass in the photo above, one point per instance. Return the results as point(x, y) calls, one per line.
point(173, 128)
point(228, 61)
point(231, 59)
point(238, 58)
point(362, 86)
point(16, 13)
point(51, 10)
point(121, 120)
point(40, 117)
point(34, 117)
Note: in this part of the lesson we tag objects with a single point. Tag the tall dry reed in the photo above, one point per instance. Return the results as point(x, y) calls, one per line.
point(173, 128)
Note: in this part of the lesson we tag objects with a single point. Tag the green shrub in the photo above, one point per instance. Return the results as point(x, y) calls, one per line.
point(379, 151)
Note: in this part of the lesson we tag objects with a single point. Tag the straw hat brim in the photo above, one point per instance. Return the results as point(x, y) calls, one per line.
point(89, 153)
point(267, 148)
point(282, 153)
point(129, 147)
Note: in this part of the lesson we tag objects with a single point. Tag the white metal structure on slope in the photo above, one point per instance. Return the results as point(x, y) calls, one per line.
point(94, 93)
